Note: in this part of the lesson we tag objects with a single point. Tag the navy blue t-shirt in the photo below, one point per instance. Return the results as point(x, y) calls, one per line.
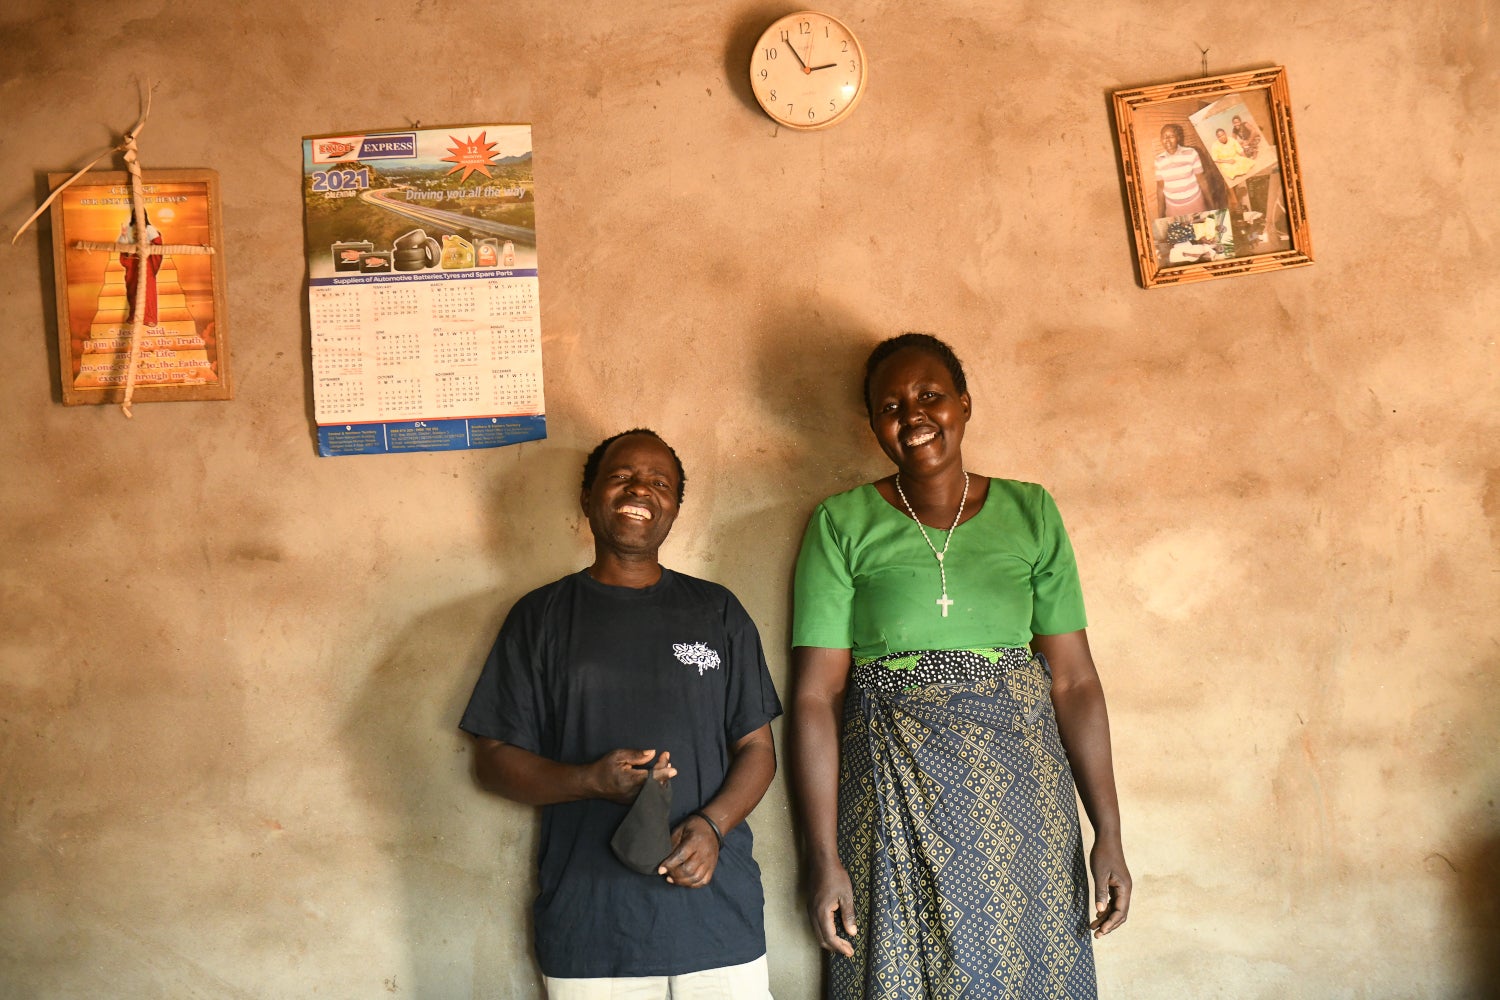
point(582, 668)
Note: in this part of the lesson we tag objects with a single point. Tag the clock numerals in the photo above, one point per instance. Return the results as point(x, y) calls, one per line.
point(795, 89)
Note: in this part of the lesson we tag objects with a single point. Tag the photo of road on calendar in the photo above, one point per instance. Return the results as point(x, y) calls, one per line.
point(422, 289)
point(452, 199)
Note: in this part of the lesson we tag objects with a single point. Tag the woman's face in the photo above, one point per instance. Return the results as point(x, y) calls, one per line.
point(1169, 140)
point(916, 412)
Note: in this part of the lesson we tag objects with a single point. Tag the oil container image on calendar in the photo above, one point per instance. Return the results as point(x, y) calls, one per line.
point(458, 253)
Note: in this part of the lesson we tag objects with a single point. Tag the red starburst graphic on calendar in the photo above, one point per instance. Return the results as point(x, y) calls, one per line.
point(470, 155)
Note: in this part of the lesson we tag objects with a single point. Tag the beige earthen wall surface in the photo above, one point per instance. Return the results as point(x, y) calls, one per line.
point(230, 670)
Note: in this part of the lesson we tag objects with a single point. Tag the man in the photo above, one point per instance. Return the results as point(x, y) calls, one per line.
point(589, 678)
point(131, 262)
point(1247, 135)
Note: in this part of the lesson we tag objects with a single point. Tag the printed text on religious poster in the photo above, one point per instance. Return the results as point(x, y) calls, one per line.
point(182, 352)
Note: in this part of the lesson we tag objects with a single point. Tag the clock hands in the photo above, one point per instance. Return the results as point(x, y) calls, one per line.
point(803, 62)
point(800, 60)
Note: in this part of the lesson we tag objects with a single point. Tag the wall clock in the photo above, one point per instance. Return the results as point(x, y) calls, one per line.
point(808, 70)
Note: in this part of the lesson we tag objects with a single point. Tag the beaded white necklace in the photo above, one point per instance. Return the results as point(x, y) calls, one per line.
point(942, 602)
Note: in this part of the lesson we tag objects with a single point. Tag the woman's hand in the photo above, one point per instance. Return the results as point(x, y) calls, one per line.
point(1111, 886)
point(820, 679)
point(1083, 724)
point(833, 894)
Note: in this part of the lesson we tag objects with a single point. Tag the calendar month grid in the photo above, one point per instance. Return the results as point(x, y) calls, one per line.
point(414, 350)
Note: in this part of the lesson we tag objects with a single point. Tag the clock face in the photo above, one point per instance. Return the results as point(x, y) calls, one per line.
point(807, 70)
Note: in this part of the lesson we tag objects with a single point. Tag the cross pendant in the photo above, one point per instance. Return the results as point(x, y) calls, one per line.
point(946, 604)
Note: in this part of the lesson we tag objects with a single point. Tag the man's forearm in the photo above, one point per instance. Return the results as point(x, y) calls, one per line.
point(749, 775)
point(529, 778)
point(523, 776)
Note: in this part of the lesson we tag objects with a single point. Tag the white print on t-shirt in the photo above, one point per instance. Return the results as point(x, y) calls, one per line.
point(696, 654)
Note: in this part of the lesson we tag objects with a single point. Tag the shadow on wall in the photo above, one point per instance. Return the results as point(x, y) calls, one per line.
point(1477, 875)
point(1473, 869)
point(465, 859)
point(810, 380)
point(809, 375)
point(41, 232)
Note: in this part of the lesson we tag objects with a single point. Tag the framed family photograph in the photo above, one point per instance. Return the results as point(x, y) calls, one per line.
point(183, 349)
point(1211, 177)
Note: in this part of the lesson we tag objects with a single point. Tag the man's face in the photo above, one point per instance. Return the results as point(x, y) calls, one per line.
point(1169, 140)
point(632, 502)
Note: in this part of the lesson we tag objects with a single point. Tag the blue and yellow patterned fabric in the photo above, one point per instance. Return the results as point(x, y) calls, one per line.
point(958, 825)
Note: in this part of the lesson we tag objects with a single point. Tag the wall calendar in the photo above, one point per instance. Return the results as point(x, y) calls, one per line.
point(422, 289)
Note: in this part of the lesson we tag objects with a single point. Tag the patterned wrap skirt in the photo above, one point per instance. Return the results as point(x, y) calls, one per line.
point(958, 824)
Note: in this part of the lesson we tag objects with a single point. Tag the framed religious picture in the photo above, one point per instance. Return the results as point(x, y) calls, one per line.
point(1211, 177)
point(181, 348)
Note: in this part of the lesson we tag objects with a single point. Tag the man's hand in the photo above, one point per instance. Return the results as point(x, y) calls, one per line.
point(695, 854)
point(619, 774)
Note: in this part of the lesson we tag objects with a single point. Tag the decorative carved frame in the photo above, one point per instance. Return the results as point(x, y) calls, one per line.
point(1142, 113)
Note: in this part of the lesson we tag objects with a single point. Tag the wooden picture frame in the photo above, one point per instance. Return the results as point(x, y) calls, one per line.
point(183, 352)
point(1239, 209)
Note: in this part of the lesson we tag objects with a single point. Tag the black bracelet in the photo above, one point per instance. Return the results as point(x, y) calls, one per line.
point(711, 824)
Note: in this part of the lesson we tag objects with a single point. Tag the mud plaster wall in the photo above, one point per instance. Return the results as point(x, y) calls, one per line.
point(230, 670)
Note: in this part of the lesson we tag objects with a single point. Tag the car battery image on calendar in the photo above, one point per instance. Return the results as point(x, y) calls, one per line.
point(422, 289)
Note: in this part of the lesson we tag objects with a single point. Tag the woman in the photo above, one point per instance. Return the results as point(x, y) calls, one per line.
point(1247, 135)
point(935, 794)
point(1180, 186)
point(1229, 156)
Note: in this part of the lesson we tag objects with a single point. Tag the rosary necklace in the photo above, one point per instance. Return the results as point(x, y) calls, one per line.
point(942, 602)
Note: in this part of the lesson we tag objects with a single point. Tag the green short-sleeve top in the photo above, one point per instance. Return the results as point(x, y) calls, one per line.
point(866, 580)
